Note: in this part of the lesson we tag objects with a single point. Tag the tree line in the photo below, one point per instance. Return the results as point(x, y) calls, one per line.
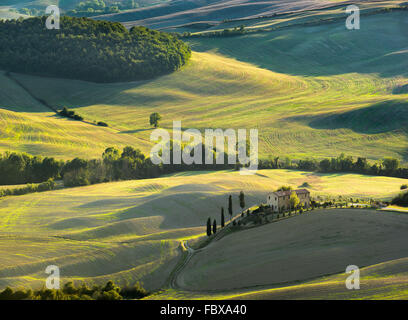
point(386, 167)
point(109, 291)
point(29, 188)
point(86, 49)
point(131, 163)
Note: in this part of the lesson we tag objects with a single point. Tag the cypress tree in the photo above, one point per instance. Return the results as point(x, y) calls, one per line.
point(214, 227)
point(208, 227)
point(242, 200)
point(222, 218)
point(230, 206)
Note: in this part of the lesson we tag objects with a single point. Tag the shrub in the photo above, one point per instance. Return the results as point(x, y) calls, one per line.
point(401, 199)
point(76, 178)
point(404, 186)
point(102, 124)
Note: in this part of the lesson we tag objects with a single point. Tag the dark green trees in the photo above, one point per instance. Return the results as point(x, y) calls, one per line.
point(20, 168)
point(86, 49)
point(214, 229)
point(242, 200)
point(230, 206)
point(154, 119)
point(222, 218)
point(209, 227)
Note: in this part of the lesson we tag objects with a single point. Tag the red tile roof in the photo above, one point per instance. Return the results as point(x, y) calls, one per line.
point(288, 193)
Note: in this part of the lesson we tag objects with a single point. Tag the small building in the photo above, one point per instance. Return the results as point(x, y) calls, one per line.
point(279, 200)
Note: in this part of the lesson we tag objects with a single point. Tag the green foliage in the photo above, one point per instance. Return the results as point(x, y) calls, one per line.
point(154, 119)
point(87, 49)
point(386, 167)
point(21, 168)
point(230, 206)
point(242, 200)
point(401, 200)
point(294, 200)
point(214, 229)
point(70, 114)
point(284, 188)
point(102, 124)
point(222, 218)
point(404, 186)
point(110, 291)
point(98, 7)
point(209, 227)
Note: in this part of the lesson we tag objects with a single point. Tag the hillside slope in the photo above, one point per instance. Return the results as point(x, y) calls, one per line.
point(307, 89)
point(183, 12)
point(130, 230)
point(385, 281)
point(297, 249)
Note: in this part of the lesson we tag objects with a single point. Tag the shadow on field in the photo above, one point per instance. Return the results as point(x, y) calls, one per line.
point(378, 118)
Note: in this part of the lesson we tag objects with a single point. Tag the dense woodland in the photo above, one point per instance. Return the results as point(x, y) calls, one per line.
point(86, 49)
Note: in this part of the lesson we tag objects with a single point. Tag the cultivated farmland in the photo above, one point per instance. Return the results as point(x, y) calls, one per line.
point(130, 230)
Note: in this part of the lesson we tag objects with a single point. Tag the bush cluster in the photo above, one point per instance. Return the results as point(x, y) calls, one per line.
point(29, 188)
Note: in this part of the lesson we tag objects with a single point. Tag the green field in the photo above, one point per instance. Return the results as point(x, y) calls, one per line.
point(382, 281)
point(130, 230)
point(297, 249)
point(311, 91)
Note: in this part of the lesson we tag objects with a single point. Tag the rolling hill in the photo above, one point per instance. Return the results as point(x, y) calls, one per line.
point(286, 83)
point(382, 281)
point(296, 250)
point(180, 12)
point(131, 230)
point(310, 86)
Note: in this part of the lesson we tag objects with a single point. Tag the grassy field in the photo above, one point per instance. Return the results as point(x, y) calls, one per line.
point(180, 13)
point(128, 231)
point(386, 280)
point(298, 249)
point(311, 91)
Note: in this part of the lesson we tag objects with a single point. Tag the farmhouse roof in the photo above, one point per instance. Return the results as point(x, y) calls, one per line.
point(289, 192)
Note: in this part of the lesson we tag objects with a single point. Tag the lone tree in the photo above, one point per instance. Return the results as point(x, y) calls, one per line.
point(294, 201)
point(230, 206)
point(154, 119)
point(222, 218)
point(242, 200)
point(208, 227)
point(214, 227)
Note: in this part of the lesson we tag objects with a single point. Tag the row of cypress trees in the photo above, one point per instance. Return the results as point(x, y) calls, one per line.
point(212, 225)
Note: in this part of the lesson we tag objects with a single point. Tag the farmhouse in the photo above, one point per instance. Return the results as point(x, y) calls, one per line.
point(279, 200)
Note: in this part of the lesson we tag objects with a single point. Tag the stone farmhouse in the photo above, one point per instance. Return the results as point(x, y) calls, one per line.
point(280, 199)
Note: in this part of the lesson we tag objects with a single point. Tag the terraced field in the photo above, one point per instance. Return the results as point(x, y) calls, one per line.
point(130, 230)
